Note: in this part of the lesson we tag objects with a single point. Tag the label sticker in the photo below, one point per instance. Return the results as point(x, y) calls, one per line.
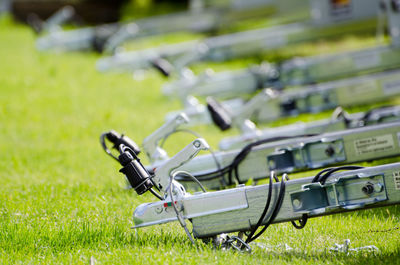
point(396, 178)
point(374, 144)
point(340, 9)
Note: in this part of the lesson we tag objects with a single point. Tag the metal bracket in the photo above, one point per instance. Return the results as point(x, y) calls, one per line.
point(317, 101)
point(150, 144)
point(163, 172)
point(309, 155)
point(349, 193)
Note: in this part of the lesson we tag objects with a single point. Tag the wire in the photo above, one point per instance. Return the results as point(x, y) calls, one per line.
point(302, 222)
point(106, 149)
point(323, 175)
point(178, 215)
point(176, 131)
point(252, 232)
point(196, 135)
point(192, 177)
point(233, 168)
point(275, 210)
point(156, 194)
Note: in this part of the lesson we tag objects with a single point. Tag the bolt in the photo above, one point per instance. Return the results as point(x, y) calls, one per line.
point(368, 189)
point(272, 164)
point(196, 143)
point(159, 209)
point(330, 151)
point(296, 203)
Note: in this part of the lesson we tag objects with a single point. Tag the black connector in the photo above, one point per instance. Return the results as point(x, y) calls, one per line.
point(118, 139)
point(134, 170)
point(163, 66)
point(219, 114)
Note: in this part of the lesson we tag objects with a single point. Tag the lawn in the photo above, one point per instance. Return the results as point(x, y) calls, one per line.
point(62, 200)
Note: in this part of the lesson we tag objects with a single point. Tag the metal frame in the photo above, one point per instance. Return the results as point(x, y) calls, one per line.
point(354, 138)
point(298, 71)
point(239, 209)
point(269, 105)
point(108, 37)
point(247, 42)
point(296, 154)
point(340, 120)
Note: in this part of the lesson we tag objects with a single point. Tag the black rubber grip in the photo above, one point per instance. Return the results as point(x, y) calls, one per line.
point(395, 5)
point(35, 23)
point(101, 34)
point(219, 114)
point(163, 66)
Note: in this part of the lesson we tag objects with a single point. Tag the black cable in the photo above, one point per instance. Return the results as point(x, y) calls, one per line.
point(104, 145)
point(156, 194)
point(276, 209)
point(302, 222)
point(316, 178)
point(252, 232)
point(329, 171)
point(233, 167)
point(248, 148)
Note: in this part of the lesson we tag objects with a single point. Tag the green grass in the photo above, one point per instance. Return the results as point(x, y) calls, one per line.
point(62, 200)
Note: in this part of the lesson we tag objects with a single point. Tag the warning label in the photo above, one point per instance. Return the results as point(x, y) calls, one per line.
point(396, 177)
point(374, 144)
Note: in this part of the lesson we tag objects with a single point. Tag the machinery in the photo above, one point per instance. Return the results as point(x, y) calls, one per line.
point(273, 103)
point(345, 139)
point(340, 120)
point(292, 148)
point(244, 209)
point(356, 16)
point(298, 72)
point(108, 37)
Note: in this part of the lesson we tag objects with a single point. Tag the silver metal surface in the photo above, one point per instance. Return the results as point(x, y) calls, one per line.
point(302, 153)
point(245, 43)
point(162, 173)
point(312, 98)
point(339, 121)
point(342, 192)
point(151, 143)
